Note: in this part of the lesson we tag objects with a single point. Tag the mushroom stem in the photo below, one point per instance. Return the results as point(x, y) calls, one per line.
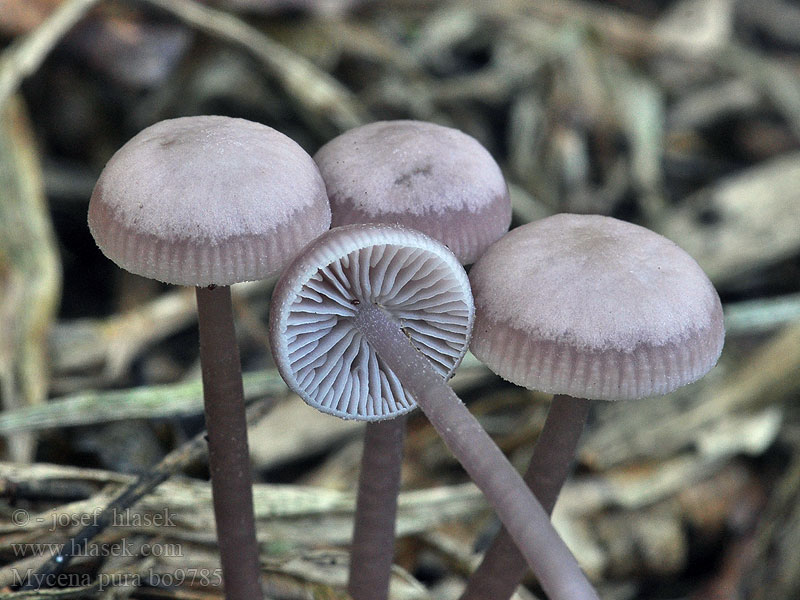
point(228, 456)
point(503, 567)
point(376, 507)
point(523, 516)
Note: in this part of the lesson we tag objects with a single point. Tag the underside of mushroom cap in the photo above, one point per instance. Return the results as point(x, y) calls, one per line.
point(594, 307)
point(321, 354)
point(431, 178)
point(207, 200)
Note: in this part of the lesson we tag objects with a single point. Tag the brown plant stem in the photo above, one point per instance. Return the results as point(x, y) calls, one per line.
point(228, 456)
point(523, 516)
point(376, 508)
point(503, 567)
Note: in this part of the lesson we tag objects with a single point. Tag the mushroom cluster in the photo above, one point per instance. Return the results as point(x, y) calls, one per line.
point(345, 324)
point(370, 319)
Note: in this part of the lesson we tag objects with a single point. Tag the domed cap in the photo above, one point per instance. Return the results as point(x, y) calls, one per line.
point(319, 352)
point(207, 200)
point(434, 179)
point(593, 307)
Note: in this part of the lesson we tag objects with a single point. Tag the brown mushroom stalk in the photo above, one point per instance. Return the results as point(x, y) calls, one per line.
point(585, 306)
point(442, 182)
point(522, 515)
point(228, 456)
point(207, 202)
point(549, 468)
point(376, 509)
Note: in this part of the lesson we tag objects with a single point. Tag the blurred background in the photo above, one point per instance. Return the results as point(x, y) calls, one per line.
point(682, 116)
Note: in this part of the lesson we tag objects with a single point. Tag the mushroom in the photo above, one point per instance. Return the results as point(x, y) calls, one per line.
point(207, 202)
point(366, 323)
point(441, 182)
point(435, 179)
point(585, 306)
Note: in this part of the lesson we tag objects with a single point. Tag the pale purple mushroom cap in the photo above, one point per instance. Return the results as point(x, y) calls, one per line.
point(324, 358)
point(207, 200)
point(594, 307)
point(431, 178)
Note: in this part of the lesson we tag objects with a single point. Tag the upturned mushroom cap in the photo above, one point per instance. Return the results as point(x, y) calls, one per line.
point(317, 349)
point(593, 307)
point(431, 178)
point(207, 200)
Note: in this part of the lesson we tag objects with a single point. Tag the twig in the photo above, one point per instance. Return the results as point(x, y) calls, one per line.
point(115, 341)
point(157, 401)
point(775, 79)
point(172, 463)
point(274, 502)
point(24, 56)
point(151, 402)
point(31, 278)
point(761, 315)
point(321, 95)
point(77, 593)
point(773, 571)
point(67, 491)
point(767, 377)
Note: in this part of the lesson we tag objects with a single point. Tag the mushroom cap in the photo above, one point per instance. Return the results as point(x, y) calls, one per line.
point(434, 179)
point(594, 307)
point(207, 200)
point(317, 349)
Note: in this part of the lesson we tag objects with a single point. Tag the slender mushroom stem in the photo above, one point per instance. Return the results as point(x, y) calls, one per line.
point(525, 519)
point(503, 567)
point(376, 508)
point(228, 456)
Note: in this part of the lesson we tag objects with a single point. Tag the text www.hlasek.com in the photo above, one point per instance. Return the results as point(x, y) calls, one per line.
point(201, 577)
point(122, 548)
